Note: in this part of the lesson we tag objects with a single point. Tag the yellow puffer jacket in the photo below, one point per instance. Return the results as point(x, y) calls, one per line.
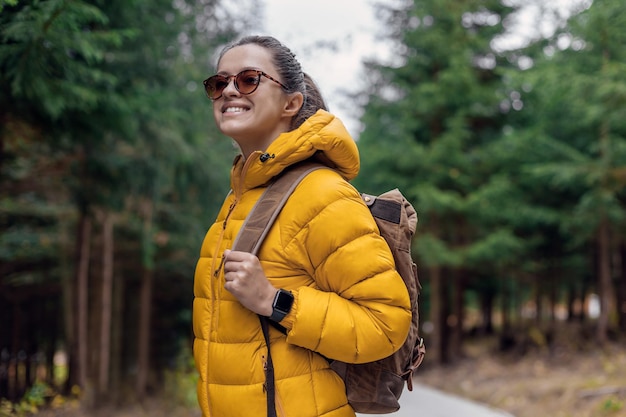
point(350, 303)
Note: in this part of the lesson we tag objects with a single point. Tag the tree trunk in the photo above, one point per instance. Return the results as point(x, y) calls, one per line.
point(437, 348)
point(604, 280)
point(456, 339)
point(553, 295)
point(621, 292)
point(68, 287)
point(143, 361)
point(506, 307)
point(487, 299)
point(82, 295)
point(572, 300)
point(16, 338)
point(145, 300)
point(116, 340)
point(539, 301)
point(107, 288)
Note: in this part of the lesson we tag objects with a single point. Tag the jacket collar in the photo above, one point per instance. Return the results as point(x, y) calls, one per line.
point(322, 135)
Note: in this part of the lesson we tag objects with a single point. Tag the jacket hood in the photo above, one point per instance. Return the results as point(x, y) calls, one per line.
point(322, 136)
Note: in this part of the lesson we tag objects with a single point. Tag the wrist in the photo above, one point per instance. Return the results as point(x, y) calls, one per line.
point(268, 304)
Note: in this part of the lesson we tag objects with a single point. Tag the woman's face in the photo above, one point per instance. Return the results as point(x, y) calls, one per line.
point(256, 119)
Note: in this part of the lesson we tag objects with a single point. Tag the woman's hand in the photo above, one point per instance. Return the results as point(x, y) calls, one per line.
point(246, 280)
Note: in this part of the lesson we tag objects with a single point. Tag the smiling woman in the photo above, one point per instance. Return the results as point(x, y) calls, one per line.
point(254, 120)
point(311, 283)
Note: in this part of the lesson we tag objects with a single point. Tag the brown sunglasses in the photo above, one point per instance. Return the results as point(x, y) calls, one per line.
point(246, 82)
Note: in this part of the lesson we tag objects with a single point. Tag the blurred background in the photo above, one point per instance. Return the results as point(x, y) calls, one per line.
point(503, 121)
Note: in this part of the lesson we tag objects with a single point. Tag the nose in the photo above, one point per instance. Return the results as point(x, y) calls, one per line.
point(230, 88)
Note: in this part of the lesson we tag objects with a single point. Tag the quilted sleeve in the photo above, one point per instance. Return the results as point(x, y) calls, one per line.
point(358, 310)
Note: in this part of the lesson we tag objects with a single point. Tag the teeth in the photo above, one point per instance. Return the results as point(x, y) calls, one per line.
point(234, 110)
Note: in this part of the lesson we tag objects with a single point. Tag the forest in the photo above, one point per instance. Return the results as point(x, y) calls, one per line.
point(111, 171)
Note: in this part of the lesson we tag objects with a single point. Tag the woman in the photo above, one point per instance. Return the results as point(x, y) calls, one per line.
point(323, 272)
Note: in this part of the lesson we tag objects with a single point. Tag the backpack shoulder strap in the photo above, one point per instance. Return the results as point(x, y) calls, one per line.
point(250, 237)
point(261, 218)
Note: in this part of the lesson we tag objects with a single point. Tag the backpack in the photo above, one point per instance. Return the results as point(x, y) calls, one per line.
point(374, 387)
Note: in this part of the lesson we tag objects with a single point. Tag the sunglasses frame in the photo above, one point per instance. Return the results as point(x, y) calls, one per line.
point(235, 77)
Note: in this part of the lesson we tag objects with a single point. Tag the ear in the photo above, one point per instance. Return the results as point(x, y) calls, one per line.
point(293, 104)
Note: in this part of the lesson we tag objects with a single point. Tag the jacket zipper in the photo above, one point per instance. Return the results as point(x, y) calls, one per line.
point(216, 270)
point(237, 192)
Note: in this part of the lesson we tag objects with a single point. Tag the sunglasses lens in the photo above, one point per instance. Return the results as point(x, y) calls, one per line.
point(215, 85)
point(247, 81)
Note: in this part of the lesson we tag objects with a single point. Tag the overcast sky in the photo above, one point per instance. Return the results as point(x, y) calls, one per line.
point(350, 24)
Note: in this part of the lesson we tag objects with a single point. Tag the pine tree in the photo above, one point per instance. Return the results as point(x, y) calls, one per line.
point(428, 123)
point(575, 96)
point(110, 169)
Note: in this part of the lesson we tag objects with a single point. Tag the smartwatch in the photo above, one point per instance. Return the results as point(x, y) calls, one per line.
point(281, 305)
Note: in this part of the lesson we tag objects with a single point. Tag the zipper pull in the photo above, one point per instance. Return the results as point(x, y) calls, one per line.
point(230, 210)
point(219, 267)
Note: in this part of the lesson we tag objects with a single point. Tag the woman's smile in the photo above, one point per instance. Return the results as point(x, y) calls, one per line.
point(232, 109)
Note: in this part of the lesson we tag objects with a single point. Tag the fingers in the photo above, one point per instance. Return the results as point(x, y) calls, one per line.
point(235, 261)
point(245, 279)
point(236, 256)
point(241, 268)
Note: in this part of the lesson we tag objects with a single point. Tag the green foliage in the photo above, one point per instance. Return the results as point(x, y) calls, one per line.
point(611, 406)
point(180, 382)
point(30, 404)
point(431, 132)
point(576, 95)
point(49, 55)
point(513, 158)
point(103, 113)
point(4, 3)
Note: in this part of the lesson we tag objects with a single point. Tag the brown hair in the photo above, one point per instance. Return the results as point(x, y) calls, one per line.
point(290, 71)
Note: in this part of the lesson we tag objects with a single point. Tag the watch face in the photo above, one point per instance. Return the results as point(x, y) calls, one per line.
point(283, 301)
